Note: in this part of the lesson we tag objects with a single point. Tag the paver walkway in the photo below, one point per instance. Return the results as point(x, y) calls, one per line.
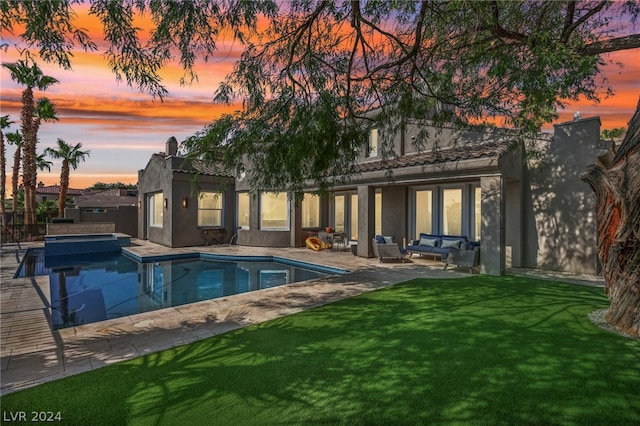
point(32, 353)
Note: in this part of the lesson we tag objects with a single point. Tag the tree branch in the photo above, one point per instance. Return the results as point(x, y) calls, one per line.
point(567, 31)
point(500, 31)
point(568, 20)
point(409, 54)
point(611, 45)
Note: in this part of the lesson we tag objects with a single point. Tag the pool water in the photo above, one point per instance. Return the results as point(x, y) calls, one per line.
point(91, 288)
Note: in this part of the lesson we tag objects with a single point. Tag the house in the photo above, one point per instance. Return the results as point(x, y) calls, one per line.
point(175, 210)
point(52, 193)
point(527, 212)
point(116, 205)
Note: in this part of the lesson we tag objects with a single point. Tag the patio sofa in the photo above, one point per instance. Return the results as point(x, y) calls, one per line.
point(441, 245)
point(385, 248)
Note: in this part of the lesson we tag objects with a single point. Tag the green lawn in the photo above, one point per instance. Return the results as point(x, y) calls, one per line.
point(478, 350)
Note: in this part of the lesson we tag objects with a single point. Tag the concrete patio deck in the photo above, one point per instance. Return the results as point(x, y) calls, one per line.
point(32, 353)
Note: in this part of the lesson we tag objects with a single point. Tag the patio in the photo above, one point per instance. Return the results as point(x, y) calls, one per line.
point(32, 353)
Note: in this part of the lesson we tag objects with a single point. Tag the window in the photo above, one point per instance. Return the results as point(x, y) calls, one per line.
point(209, 208)
point(242, 213)
point(354, 217)
point(311, 211)
point(478, 213)
point(452, 211)
point(424, 212)
point(373, 143)
point(274, 211)
point(378, 213)
point(339, 213)
point(155, 209)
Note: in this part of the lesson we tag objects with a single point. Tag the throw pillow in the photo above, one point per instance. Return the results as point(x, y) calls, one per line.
point(388, 240)
point(430, 242)
point(450, 243)
point(380, 239)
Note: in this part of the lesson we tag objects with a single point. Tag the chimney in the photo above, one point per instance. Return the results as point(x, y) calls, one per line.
point(40, 184)
point(172, 146)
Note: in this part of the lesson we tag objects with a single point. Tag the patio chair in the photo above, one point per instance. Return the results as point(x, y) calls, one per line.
point(387, 251)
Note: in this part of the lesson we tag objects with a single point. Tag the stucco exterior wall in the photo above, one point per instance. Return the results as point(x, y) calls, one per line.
point(180, 223)
point(394, 212)
point(80, 228)
point(125, 218)
point(559, 208)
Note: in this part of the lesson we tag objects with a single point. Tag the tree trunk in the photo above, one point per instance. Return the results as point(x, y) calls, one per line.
point(29, 155)
point(17, 157)
point(64, 185)
point(617, 188)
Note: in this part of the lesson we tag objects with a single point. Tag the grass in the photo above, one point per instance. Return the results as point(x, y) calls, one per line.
point(478, 350)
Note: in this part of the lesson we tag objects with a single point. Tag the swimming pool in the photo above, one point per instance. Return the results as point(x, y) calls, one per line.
point(95, 287)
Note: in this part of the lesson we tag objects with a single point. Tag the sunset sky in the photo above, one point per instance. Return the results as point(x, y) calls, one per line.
point(123, 127)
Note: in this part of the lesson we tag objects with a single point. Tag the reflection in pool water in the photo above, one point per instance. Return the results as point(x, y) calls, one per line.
point(92, 288)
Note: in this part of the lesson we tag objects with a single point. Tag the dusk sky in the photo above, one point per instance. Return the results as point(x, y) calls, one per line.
point(123, 127)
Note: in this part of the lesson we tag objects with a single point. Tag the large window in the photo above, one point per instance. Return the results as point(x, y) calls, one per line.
point(156, 209)
point(311, 211)
point(274, 211)
point(354, 217)
point(373, 143)
point(452, 211)
point(339, 213)
point(210, 208)
point(424, 212)
point(242, 212)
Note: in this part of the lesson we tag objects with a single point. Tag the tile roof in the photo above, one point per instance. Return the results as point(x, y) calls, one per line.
point(55, 189)
point(196, 165)
point(204, 169)
point(448, 154)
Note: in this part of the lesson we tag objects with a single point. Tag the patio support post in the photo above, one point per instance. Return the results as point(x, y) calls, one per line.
point(366, 219)
point(492, 252)
point(296, 225)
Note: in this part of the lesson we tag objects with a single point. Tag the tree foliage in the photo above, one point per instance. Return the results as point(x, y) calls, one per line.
point(27, 73)
point(115, 185)
point(71, 156)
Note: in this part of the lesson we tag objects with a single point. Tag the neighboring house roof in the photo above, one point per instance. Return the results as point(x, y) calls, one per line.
point(109, 198)
point(455, 153)
point(55, 190)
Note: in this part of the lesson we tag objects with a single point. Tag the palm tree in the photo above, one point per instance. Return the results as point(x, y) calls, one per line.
point(4, 123)
point(15, 138)
point(71, 157)
point(42, 163)
point(29, 75)
point(46, 208)
point(45, 111)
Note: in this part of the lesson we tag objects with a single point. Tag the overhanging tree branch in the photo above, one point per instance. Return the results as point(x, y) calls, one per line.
point(611, 45)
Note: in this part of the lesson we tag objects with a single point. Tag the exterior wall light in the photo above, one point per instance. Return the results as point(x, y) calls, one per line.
point(166, 203)
point(185, 202)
